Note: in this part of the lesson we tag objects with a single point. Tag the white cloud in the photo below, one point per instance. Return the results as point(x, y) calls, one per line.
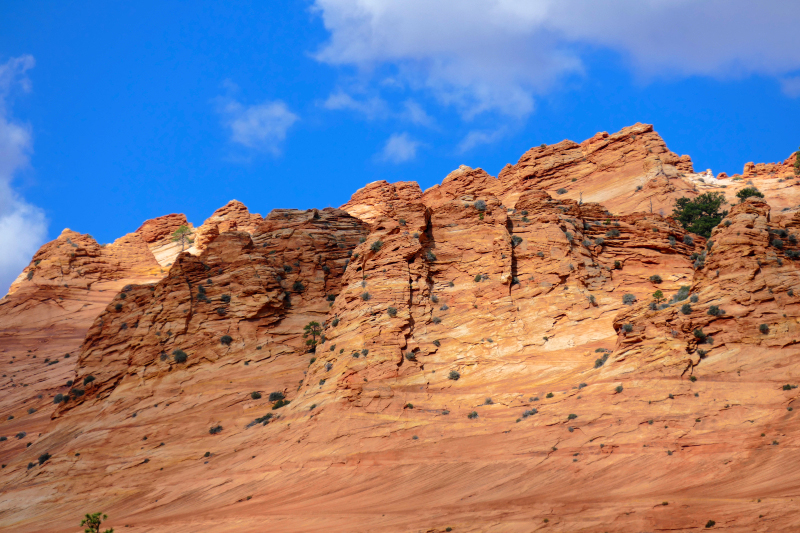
point(23, 227)
point(399, 148)
point(478, 137)
point(261, 127)
point(497, 55)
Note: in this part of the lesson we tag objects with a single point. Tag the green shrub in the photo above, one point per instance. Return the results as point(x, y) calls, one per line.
point(411, 356)
point(93, 521)
point(618, 389)
point(710, 524)
point(472, 415)
point(255, 395)
point(763, 328)
point(392, 311)
point(480, 205)
point(225, 298)
point(279, 404)
point(88, 379)
point(715, 311)
point(478, 278)
point(686, 309)
point(749, 192)
point(179, 356)
point(572, 416)
point(365, 296)
point(549, 395)
point(701, 214)
point(275, 396)
point(516, 240)
point(617, 265)
point(612, 233)
point(215, 429)
point(628, 299)
point(627, 328)
point(655, 278)
point(562, 191)
point(58, 398)
point(454, 375)
point(376, 246)
point(226, 340)
point(436, 320)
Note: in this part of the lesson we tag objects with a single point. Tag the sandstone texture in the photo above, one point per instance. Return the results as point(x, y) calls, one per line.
point(492, 358)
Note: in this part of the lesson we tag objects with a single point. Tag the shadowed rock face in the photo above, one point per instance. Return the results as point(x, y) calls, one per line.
point(492, 357)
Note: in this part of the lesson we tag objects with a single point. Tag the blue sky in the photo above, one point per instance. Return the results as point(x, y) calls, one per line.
point(114, 113)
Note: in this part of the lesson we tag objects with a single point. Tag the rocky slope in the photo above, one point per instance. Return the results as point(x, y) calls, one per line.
point(493, 359)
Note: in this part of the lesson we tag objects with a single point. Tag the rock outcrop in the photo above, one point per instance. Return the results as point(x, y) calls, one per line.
point(493, 354)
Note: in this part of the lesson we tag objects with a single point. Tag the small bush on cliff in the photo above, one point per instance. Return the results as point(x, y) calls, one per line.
point(376, 246)
point(226, 340)
point(182, 235)
point(255, 395)
point(93, 521)
point(516, 240)
point(777, 243)
point(180, 356)
point(627, 328)
point(612, 233)
point(392, 312)
point(454, 375)
point(686, 309)
point(701, 214)
point(628, 299)
point(480, 205)
point(655, 278)
point(715, 311)
point(430, 256)
point(58, 398)
point(215, 429)
point(225, 298)
point(275, 396)
point(763, 328)
point(749, 192)
point(313, 330)
point(472, 415)
point(88, 379)
point(562, 191)
point(366, 296)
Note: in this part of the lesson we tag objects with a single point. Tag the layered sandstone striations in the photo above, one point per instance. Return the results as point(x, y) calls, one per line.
point(493, 359)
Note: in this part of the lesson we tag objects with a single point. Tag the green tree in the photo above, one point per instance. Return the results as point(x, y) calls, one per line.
point(749, 192)
point(313, 330)
point(92, 523)
point(658, 296)
point(182, 235)
point(797, 163)
point(701, 214)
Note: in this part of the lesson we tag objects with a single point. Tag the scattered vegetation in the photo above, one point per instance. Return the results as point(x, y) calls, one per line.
point(376, 246)
point(275, 396)
point(628, 299)
point(472, 415)
point(715, 311)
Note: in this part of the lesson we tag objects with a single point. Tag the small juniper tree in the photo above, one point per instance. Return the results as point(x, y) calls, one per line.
point(92, 523)
point(658, 296)
point(182, 235)
point(749, 192)
point(313, 330)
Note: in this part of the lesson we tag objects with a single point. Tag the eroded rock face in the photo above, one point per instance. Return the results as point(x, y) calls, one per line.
point(493, 355)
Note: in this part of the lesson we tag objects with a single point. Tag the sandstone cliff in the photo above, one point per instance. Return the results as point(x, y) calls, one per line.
point(492, 359)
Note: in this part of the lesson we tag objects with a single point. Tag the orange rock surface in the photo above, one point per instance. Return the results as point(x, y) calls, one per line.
point(492, 359)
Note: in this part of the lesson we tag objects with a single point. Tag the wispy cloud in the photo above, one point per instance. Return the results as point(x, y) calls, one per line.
point(376, 108)
point(260, 127)
point(479, 137)
point(399, 148)
point(791, 86)
point(23, 227)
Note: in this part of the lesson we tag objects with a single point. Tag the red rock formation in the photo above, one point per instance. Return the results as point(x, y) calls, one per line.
point(493, 357)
